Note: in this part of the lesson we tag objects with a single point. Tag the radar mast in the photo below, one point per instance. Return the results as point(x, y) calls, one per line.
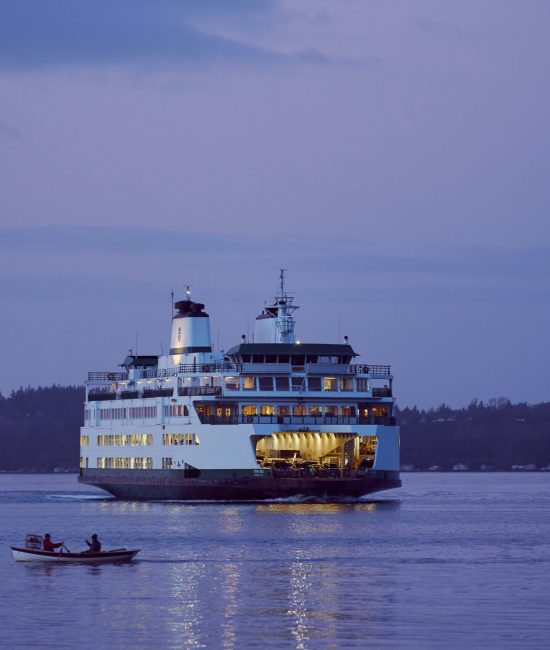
point(284, 304)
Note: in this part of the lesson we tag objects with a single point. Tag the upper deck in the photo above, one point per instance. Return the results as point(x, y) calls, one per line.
point(247, 378)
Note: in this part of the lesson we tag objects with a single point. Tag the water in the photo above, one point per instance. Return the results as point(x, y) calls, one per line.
point(453, 560)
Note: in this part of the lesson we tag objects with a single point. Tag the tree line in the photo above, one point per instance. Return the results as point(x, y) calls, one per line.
point(39, 430)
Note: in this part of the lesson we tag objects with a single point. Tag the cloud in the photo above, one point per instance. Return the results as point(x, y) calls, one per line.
point(356, 257)
point(104, 240)
point(35, 34)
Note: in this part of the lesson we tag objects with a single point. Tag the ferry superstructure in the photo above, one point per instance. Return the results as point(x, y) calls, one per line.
point(269, 418)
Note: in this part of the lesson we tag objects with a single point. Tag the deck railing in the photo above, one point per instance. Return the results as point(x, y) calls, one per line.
point(297, 420)
point(369, 369)
point(227, 368)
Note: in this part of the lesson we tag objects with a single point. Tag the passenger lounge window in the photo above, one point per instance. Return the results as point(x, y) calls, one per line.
point(348, 411)
point(314, 383)
point(298, 383)
point(249, 383)
point(329, 383)
point(266, 383)
point(281, 383)
point(346, 383)
point(232, 383)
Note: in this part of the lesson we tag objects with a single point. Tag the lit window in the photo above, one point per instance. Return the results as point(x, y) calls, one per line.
point(329, 383)
point(249, 383)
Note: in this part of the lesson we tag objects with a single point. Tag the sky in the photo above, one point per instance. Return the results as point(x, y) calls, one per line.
point(394, 156)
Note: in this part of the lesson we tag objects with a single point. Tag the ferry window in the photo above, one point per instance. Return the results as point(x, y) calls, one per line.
point(298, 383)
point(380, 411)
point(266, 383)
point(250, 410)
point(257, 358)
point(203, 409)
point(298, 359)
point(283, 411)
point(232, 383)
point(249, 383)
point(247, 358)
point(347, 411)
point(315, 411)
point(284, 358)
point(314, 383)
point(299, 410)
point(324, 359)
point(185, 410)
point(281, 383)
point(329, 383)
point(362, 385)
point(271, 358)
point(345, 383)
point(311, 358)
point(331, 411)
point(267, 410)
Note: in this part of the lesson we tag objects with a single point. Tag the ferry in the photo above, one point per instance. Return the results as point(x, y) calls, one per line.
point(270, 418)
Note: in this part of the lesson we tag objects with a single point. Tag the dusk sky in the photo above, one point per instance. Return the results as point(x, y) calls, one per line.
point(394, 156)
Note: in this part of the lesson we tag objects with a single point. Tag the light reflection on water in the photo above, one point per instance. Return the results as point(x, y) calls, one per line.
point(397, 573)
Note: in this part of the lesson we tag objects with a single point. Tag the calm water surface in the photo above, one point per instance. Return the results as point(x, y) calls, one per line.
point(453, 560)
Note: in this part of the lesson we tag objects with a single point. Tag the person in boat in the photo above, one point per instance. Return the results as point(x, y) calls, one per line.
point(95, 545)
point(48, 545)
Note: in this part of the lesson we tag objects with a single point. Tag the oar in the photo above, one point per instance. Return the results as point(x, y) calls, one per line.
point(64, 547)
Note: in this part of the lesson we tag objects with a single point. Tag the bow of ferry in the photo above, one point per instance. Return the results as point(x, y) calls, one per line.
point(272, 418)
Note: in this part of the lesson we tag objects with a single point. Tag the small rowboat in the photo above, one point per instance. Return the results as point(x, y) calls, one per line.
point(36, 555)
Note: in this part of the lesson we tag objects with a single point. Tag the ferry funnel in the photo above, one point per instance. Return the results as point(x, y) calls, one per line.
point(190, 330)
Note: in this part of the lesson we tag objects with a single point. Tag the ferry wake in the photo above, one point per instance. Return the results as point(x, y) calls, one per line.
point(270, 418)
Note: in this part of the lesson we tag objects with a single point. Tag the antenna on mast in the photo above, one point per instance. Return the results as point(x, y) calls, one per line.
point(282, 282)
point(188, 292)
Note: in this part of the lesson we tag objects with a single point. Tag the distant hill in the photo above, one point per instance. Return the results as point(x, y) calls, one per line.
point(39, 430)
point(498, 435)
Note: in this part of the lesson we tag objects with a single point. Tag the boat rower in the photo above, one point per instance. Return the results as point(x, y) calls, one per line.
point(95, 545)
point(48, 545)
